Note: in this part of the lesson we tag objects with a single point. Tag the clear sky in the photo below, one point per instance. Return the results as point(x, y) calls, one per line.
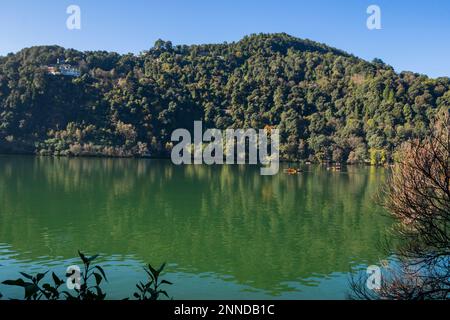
point(415, 34)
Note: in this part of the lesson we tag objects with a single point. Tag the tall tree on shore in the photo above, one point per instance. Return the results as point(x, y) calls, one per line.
point(418, 197)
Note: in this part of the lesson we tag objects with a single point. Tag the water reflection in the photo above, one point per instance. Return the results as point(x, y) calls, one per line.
point(261, 233)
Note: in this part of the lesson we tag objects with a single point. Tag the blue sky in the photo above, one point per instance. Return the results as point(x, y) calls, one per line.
point(414, 36)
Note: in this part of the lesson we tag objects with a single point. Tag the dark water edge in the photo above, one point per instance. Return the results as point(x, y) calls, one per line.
point(225, 231)
point(4, 152)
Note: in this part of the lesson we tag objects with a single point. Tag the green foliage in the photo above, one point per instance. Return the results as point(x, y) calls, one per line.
point(91, 279)
point(89, 291)
point(377, 156)
point(33, 288)
point(151, 289)
point(329, 105)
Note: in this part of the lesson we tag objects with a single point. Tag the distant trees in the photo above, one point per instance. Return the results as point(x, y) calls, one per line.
point(329, 105)
point(418, 197)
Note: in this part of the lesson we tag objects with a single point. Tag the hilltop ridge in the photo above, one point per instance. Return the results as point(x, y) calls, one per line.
point(328, 104)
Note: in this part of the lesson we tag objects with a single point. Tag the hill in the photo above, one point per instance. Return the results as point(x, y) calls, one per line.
point(329, 105)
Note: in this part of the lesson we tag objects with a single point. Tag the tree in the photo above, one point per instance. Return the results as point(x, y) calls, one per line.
point(418, 197)
point(327, 103)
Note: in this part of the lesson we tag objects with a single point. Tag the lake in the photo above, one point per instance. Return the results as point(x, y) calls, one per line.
point(226, 232)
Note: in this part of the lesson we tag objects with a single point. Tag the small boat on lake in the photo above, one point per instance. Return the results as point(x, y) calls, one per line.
point(292, 171)
point(335, 167)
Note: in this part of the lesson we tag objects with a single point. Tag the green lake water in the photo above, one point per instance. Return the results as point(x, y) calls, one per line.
point(226, 232)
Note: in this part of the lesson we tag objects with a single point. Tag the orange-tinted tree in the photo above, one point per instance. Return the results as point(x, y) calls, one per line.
point(418, 197)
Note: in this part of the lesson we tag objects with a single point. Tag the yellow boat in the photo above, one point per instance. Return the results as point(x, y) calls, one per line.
point(292, 171)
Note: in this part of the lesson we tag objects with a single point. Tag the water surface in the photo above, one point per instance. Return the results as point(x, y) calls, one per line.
point(226, 232)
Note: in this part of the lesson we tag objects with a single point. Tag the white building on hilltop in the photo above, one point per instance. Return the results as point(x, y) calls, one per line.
point(62, 68)
point(68, 70)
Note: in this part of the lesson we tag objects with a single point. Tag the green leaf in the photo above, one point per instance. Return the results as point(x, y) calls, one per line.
point(40, 276)
point(102, 272)
point(153, 271)
point(149, 274)
point(57, 280)
point(50, 289)
point(30, 290)
point(100, 294)
point(98, 278)
point(26, 275)
point(90, 259)
point(18, 282)
point(83, 257)
point(161, 268)
point(166, 282)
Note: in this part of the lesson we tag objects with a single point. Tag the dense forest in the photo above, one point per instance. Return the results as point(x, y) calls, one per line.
point(328, 104)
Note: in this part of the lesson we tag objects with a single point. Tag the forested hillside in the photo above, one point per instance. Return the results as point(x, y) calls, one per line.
point(329, 105)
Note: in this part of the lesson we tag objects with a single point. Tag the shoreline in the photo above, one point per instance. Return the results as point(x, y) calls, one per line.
point(301, 162)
